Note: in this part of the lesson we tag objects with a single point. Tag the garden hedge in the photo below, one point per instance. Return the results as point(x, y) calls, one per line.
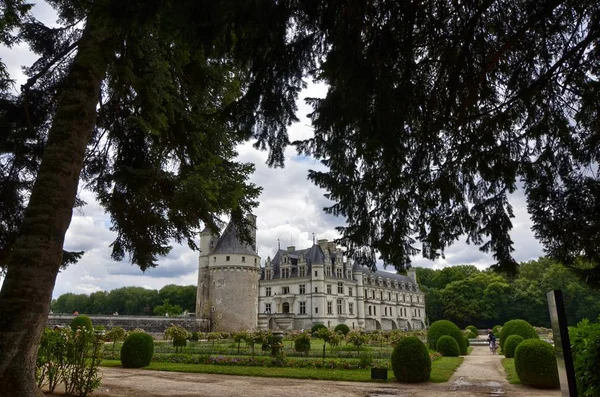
point(517, 327)
point(511, 345)
point(535, 364)
point(137, 350)
point(448, 346)
point(445, 327)
point(410, 361)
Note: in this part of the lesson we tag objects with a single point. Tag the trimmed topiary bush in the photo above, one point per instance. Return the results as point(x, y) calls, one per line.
point(82, 321)
point(343, 328)
point(473, 329)
point(467, 342)
point(137, 350)
point(445, 327)
point(535, 364)
point(448, 346)
point(302, 343)
point(517, 327)
point(316, 327)
point(511, 345)
point(410, 360)
point(472, 335)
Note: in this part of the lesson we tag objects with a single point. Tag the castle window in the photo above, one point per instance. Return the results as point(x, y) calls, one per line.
point(350, 291)
point(385, 311)
point(350, 308)
point(340, 288)
point(269, 275)
point(302, 307)
point(380, 295)
point(316, 290)
point(338, 273)
point(302, 271)
point(227, 258)
point(243, 259)
point(374, 311)
point(316, 273)
point(268, 291)
point(389, 296)
point(268, 308)
point(369, 310)
point(329, 308)
point(373, 294)
point(214, 259)
point(285, 290)
point(255, 261)
point(302, 289)
point(329, 288)
point(328, 271)
point(396, 297)
point(403, 298)
point(339, 306)
point(316, 310)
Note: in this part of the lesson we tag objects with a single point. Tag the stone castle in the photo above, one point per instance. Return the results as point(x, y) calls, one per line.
point(298, 288)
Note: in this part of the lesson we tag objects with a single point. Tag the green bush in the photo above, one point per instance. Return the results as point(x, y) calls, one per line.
point(511, 345)
point(448, 346)
point(411, 361)
point(343, 328)
point(535, 364)
point(467, 342)
point(445, 327)
point(82, 321)
point(473, 329)
point(302, 343)
point(471, 335)
point(517, 327)
point(137, 350)
point(585, 345)
point(316, 327)
point(194, 336)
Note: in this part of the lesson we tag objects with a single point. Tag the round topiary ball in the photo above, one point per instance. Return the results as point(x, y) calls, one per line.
point(445, 327)
point(448, 346)
point(467, 341)
point(517, 327)
point(472, 335)
point(410, 361)
point(535, 364)
point(82, 321)
point(343, 328)
point(511, 345)
point(473, 329)
point(137, 350)
point(317, 327)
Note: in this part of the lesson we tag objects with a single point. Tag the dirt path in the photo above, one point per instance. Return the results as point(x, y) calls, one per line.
point(480, 375)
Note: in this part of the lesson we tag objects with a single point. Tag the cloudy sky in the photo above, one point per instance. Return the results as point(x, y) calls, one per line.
point(290, 211)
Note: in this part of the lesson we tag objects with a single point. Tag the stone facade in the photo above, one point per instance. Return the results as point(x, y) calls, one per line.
point(299, 288)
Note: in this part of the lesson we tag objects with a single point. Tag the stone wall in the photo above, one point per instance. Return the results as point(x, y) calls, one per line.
point(153, 325)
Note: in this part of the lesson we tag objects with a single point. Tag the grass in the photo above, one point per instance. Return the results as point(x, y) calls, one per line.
point(511, 373)
point(469, 350)
point(442, 369)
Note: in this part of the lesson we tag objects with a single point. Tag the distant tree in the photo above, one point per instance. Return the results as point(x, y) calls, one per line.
point(167, 308)
point(184, 296)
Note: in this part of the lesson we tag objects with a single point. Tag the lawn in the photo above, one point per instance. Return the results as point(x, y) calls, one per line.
point(511, 373)
point(442, 370)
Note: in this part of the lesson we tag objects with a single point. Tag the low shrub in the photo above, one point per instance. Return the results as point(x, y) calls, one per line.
point(585, 345)
point(448, 346)
point(511, 345)
point(410, 361)
point(137, 350)
point(467, 342)
point(472, 329)
point(471, 335)
point(517, 327)
point(316, 327)
point(535, 364)
point(302, 343)
point(194, 336)
point(178, 334)
point(82, 321)
point(343, 328)
point(445, 327)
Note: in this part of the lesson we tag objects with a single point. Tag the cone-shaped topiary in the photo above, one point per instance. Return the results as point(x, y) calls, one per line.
point(137, 350)
point(445, 327)
point(535, 364)
point(473, 329)
point(448, 346)
point(511, 345)
point(343, 328)
point(82, 321)
point(517, 327)
point(410, 360)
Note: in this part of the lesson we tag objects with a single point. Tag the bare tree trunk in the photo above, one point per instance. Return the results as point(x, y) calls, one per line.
point(36, 257)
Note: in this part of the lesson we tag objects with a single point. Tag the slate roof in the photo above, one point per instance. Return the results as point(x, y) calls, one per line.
point(229, 243)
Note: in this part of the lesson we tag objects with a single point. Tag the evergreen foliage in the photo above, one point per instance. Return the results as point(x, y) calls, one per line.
point(445, 327)
point(410, 361)
point(471, 335)
point(535, 364)
point(316, 327)
point(585, 346)
point(448, 346)
point(302, 343)
point(82, 321)
point(517, 327)
point(137, 350)
point(472, 328)
point(343, 328)
point(511, 344)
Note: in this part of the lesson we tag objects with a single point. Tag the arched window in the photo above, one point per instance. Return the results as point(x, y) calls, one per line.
point(286, 307)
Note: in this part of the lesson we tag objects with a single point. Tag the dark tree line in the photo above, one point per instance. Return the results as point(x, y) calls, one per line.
point(468, 296)
point(128, 301)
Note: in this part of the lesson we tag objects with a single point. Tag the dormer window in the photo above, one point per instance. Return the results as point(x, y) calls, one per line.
point(227, 258)
point(243, 259)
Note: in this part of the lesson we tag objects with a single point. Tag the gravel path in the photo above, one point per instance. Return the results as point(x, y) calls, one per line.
point(481, 374)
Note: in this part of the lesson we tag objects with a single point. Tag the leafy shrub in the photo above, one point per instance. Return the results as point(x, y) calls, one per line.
point(496, 330)
point(535, 364)
point(585, 346)
point(114, 335)
point(445, 327)
point(467, 341)
point(448, 346)
point(316, 327)
point(411, 361)
point(357, 338)
point(178, 334)
point(471, 335)
point(82, 321)
point(302, 343)
point(365, 359)
point(194, 336)
point(343, 328)
point(511, 345)
point(472, 329)
point(137, 350)
point(517, 327)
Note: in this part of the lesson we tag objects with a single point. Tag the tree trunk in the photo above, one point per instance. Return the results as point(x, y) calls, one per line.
point(37, 254)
